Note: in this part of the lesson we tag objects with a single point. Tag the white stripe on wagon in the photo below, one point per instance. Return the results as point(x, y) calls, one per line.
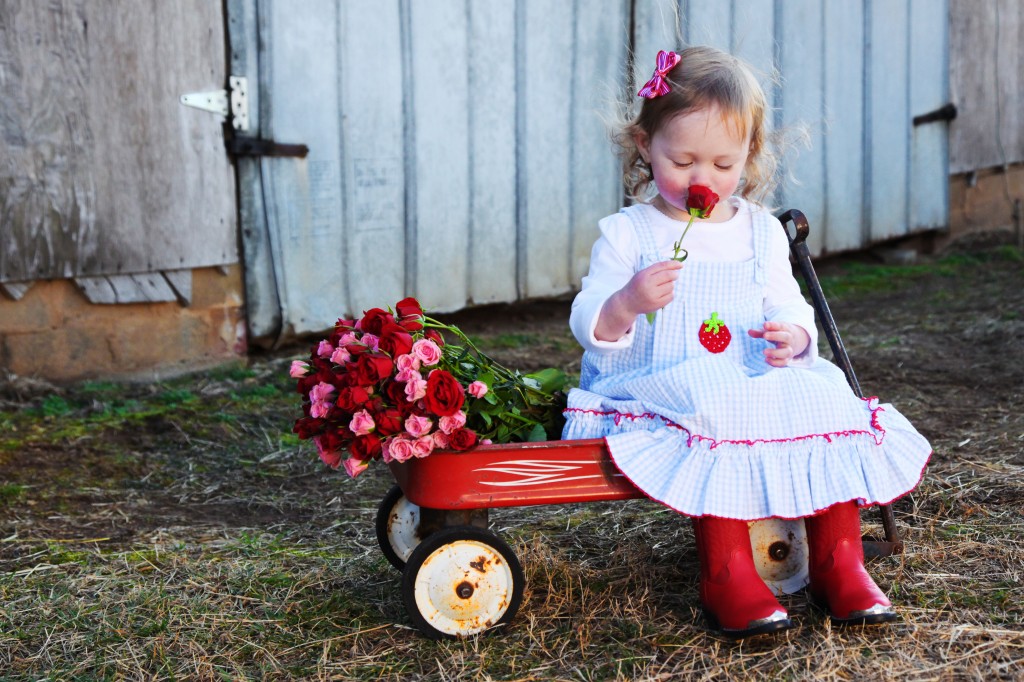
point(537, 472)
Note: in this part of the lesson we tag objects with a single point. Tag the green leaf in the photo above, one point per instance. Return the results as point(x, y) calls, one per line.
point(537, 434)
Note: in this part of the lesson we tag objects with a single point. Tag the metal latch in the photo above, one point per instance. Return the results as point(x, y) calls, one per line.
point(234, 102)
point(946, 112)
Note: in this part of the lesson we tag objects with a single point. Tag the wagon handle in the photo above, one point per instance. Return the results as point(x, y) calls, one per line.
point(802, 255)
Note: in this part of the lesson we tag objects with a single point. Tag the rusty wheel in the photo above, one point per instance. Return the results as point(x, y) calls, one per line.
point(398, 526)
point(461, 581)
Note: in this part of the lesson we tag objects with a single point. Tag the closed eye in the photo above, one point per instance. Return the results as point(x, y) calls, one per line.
point(723, 167)
point(682, 164)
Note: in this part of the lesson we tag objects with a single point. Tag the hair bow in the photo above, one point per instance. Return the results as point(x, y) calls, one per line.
point(658, 86)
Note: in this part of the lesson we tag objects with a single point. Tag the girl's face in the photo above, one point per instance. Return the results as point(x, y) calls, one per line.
point(695, 148)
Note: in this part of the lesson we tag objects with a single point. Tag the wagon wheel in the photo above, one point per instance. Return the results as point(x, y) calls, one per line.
point(398, 525)
point(461, 581)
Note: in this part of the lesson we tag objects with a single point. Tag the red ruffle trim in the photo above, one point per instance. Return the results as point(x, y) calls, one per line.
point(877, 432)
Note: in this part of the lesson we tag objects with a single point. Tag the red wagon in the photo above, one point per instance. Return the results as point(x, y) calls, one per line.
point(460, 578)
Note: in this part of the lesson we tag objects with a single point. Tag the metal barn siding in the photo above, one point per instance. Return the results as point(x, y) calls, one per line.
point(457, 151)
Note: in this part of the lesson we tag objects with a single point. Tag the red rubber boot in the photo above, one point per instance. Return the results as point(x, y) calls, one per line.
point(839, 580)
point(734, 597)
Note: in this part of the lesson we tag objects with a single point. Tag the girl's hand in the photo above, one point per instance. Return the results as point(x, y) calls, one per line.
point(790, 341)
point(649, 290)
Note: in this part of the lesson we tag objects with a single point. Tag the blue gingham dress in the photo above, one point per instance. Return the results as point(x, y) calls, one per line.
point(726, 434)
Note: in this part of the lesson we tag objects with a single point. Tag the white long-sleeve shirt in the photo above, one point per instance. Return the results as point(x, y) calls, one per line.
point(616, 253)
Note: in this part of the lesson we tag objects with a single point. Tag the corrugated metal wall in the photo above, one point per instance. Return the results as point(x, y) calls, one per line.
point(458, 154)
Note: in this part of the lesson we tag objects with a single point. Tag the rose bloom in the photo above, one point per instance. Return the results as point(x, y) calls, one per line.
point(354, 466)
point(427, 351)
point(406, 375)
point(324, 349)
point(330, 457)
point(415, 390)
point(477, 389)
point(417, 425)
point(423, 446)
point(445, 394)
point(340, 356)
point(440, 439)
point(320, 392)
point(462, 439)
point(401, 449)
point(362, 423)
point(298, 369)
point(407, 361)
point(452, 422)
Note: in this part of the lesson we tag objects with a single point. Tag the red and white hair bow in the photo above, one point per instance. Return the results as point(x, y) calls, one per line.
point(658, 86)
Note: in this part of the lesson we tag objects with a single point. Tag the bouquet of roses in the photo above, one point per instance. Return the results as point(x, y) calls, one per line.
point(389, 386)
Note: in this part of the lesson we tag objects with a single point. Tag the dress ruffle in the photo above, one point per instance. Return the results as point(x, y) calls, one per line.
point(790, 478)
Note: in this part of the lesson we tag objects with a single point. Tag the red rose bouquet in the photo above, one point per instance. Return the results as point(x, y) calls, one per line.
point(389, 386)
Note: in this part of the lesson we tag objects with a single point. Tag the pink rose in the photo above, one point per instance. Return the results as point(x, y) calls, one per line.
point(371, 341)
point(449, 424)
point(440, 440)
point(423, 446)
point(324, 349)
point(347, 338)
point(354, 466)
point(362, 423)
point(385, 451)
point(477, 389)
point(417, 425)
point(319, 410)
point(415, 390)
point(407, 361)
point(427, 351)
point(340, 356)
point(401, 449)
point(407, 375)
point(320, 392)
point(298, 369)
point(329, 457)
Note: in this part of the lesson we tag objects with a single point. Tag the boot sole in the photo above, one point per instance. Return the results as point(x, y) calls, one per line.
point(763, 629)
point(853, 621)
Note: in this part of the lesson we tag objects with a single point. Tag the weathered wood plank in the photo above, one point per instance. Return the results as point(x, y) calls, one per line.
point(103, 171)
point(440, 111)
point(181, 282)
point(492, 143)
point(378, 181)
point(544, 119)
point(263, 308)
point(929, 162)
point(987, 82)
point(888, 120)
point(710, 22)
point(601, 44)
point(842, 222)
point(801, 46)
point(15, 290)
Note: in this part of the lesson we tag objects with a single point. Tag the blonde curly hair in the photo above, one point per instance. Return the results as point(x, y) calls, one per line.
point(705, 76)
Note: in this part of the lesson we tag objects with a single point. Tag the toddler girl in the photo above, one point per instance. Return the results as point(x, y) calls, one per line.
point(703, 376)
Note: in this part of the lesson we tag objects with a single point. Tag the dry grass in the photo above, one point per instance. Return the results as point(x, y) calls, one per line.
point(179, 532)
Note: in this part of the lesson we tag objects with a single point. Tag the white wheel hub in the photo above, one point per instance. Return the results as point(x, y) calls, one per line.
point(463, 587)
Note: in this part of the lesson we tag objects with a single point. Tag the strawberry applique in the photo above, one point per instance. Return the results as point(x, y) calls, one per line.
point(714, 335)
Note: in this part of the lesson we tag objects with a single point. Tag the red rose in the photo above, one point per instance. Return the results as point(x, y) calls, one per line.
point(373, 321)
point(307, 427)
point(445, 394)
point(700, 199)
point(462, 439)
point(389, 421)
point(434, 336)
point(410, 314)
point(395, 340)
point(365, 447)
point(352, 398)
point(372, 367)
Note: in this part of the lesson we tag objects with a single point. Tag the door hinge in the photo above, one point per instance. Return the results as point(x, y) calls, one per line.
point(231, 104)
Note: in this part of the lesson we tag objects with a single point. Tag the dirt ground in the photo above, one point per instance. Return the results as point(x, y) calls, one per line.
point(943, 340)
point(179, 530)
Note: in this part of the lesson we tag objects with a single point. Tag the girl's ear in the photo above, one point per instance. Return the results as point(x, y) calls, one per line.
point(643, 143)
